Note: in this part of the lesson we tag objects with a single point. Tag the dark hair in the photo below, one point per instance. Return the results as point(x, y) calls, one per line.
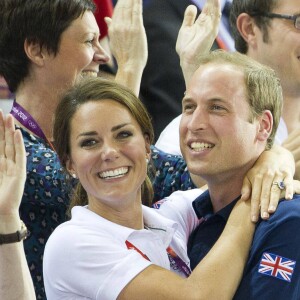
point(37, 21)
point(97, 89)
point(250, 7)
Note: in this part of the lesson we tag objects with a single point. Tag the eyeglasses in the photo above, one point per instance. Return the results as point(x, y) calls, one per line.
point(295, 18)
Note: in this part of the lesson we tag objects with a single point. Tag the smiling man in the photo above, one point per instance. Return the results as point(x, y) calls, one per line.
point(226, 125)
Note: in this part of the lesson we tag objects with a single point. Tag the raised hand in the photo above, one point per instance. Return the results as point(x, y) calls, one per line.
point(197, 35)
point(128, 42)
point(12, 167)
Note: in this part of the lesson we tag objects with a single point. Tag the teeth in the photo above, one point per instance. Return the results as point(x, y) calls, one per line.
point(200, 146)
point(89, 74)
point(114, 173)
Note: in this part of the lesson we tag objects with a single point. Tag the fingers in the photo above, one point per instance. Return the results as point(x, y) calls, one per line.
point(2, 134)
point(294, 135)
point(212, 8)
point(20, 157)
point(9, 138)
point(246, 189)
point(296, 184)
point(256, 198)
point(289, 188)
point(211, 16)
point(189, 16)
point(266, 192)
point(271, 194)
point(137, 12)
point(123, 11)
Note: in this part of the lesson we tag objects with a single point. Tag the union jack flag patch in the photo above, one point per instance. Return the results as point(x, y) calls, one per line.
point(276, 266)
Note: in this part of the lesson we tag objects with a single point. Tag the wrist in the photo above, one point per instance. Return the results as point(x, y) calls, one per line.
point(9, 223)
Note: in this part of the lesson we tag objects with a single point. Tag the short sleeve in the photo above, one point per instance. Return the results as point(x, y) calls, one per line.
point(81, 265)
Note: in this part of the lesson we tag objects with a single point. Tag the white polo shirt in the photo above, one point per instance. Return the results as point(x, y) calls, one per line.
point(87, 258)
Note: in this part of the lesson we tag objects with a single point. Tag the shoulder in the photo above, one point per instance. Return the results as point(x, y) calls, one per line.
point(288, 209)
point(283, 222)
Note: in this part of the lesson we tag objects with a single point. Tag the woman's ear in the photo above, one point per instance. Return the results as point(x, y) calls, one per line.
point(148, 146)
point(265, 126)
point(70, 169)
point(35, 52)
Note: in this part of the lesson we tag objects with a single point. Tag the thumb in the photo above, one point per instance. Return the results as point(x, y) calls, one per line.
point(246, 189)
point(107, 21)
point(189, 16)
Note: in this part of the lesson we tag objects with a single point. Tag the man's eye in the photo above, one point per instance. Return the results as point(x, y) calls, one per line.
point(217, 107)
point(188, 107)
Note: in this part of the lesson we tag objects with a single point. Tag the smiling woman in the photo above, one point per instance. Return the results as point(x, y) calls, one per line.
point(114, 138)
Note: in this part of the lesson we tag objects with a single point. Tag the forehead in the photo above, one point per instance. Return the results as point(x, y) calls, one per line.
point(217, 81)
point(84, 24)
point(100, 115)
point(99, 109)
point(287, 7)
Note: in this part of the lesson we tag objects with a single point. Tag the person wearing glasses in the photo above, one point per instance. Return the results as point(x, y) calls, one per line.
point(269, 32)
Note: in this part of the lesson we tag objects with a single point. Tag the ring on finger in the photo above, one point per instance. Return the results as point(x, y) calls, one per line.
point(279, 184)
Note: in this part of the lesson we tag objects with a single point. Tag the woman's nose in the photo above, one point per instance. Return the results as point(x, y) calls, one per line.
point(101, 56)
point(109, 153)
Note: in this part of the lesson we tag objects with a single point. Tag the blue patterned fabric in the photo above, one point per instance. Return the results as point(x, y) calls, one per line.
point(171, 174)
point(44, 203)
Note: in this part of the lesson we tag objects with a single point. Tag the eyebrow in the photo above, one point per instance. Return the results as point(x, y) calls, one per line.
point(187, 99)
point(190, 99)
point(92, 133)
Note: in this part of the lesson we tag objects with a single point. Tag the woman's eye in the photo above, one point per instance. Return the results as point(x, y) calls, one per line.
point(124, 134)
point(91, 41)
point(88, 143)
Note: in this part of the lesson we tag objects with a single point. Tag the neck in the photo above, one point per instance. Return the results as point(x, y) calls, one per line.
point(127, 215)
point(224, 189)
point(291, 111)
point(221, 196)
point(40, 104)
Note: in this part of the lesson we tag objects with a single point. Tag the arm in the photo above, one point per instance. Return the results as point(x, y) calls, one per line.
point(196, 36)
point(276, 164)
point(292, 143)
point(15, 280)
point(213, 278)
point(128, 42)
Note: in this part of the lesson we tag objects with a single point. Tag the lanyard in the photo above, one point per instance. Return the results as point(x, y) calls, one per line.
point(25, 118)
point(173, 257)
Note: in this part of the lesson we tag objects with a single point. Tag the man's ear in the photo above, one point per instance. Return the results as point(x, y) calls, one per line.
point(247, 29)
point(265, 126)
point(35, 52)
